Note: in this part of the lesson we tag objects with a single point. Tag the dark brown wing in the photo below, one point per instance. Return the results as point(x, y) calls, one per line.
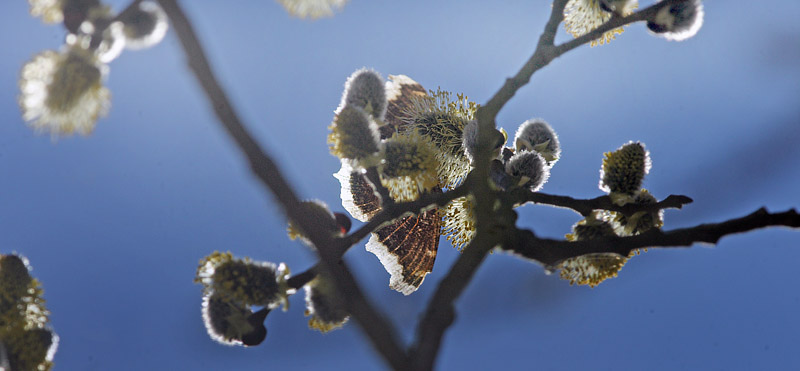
point(358, 195)
point(399, 91)
point(407, 249)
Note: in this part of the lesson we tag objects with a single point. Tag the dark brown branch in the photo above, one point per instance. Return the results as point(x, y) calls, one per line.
point(586, 206)
point(299, 280)
point(380, 332)
point(551, 252)
point(541, 57)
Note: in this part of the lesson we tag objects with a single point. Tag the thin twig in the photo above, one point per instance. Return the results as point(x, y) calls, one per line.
point(586, 206)
point(551, 252)
point(379, 331)
point(546, 51)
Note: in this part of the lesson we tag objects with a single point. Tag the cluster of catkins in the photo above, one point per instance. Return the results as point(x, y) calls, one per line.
point(238, 294)
point(232, 288)
point(26, 340)
point(415, 142)
point(621, 177)
point(430, 142)
point(62, 92)
point(423, 142)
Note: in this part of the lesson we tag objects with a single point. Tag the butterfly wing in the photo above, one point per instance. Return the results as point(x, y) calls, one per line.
point(358, 195)
point(407, 249)
point(400, 89)
point(407, 246)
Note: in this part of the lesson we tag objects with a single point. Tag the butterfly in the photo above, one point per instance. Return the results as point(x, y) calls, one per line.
point(407, 246)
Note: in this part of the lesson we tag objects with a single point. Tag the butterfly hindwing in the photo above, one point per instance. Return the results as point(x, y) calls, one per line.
point(407, 249)
point(358, 194)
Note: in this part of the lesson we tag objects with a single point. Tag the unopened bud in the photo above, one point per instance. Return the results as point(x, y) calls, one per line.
point(529, 168)
point(319, 215)
point(365, 89)
point(324, 305)
point(677, 22)
point(144, 25)
point(470, 138)
point(232, 323)
point(537, 135)
point(354, 134)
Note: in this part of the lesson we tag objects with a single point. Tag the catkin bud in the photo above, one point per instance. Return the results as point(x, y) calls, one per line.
point(324, 305)
point(624, 169)
point(529, 167)
point(677, 22)
point(321, 216)
point(312, 9)
point(354, 134)
point(31, 349)
point(63, 92)
point(14, 278)
point(537, 135)
point(365, 89)
point(409, 161)
point(232, 323)
point(244, 280)
point(252, 283)
point(144, 25)
point(26, 340)
point(591, 269)
point(470, 140)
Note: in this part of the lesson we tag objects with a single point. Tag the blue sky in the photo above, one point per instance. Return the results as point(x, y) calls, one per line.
point(115, 223)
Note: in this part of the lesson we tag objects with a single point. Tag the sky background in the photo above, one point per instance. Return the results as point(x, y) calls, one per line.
point(115, 223)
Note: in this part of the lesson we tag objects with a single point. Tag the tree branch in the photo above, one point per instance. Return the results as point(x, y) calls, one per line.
point(586, 206)
point(541, 57)
point(551, 252)
point(546, 51)
point(380, 332)
point(614, 22)
point(491, 227)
